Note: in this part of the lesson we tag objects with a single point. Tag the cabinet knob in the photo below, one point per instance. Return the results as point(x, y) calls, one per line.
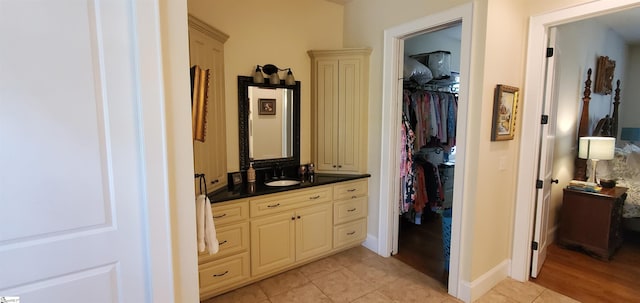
point(293, 218)
point(334, 166)
point(298, 217)
point(339, 166)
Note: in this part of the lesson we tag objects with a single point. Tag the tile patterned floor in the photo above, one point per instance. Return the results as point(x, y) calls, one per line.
point(361, 276)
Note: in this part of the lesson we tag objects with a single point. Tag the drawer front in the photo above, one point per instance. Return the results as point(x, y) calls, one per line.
point(350, 190)
point(230, 212)
point(223, 273)
point(232, 239)
point(350, 233)
point(348, 210)
point(271, 204)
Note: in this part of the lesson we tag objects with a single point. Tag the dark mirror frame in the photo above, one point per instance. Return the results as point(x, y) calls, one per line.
point(244, 83)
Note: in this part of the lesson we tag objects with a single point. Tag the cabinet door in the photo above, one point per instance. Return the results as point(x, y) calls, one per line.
point(326, 117)
point(207, 50)
point(313, 231)
point(272, 242)
point(349, 114)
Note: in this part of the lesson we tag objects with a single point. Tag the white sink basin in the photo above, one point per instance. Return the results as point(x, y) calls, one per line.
point(282, 183)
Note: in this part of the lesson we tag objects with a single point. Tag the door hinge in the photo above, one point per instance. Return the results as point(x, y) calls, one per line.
point(549, 52)
point(534, 245)
point(544, 119)
point(539, 183)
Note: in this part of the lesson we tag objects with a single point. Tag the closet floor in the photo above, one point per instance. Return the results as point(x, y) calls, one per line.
point(420, 246)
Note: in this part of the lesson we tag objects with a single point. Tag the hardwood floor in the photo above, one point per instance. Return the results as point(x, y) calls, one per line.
point(420, 246)
point(587, 279)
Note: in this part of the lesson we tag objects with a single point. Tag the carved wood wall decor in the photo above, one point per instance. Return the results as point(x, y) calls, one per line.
point(604, 75)
point(580, 165)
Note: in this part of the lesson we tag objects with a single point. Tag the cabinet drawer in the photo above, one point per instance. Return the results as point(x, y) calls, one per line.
point(229, 212)
point(286, 201)
point(223, 273)
point(348, 210)
point(350, 190)
point(231, 238)
point(350, 233)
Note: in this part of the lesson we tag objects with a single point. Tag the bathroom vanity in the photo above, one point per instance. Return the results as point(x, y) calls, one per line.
point(276, 229)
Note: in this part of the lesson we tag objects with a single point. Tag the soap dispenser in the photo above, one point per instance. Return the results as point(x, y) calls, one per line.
point(251, 178)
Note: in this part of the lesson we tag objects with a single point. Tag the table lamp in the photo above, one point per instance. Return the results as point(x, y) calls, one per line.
point(595, 149)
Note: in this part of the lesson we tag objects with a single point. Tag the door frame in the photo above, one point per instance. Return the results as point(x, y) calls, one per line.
point(392, 91)
point(532, 109)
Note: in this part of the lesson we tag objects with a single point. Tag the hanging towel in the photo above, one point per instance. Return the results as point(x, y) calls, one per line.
point(206, 230)
point(200, 200)
point(210, 237)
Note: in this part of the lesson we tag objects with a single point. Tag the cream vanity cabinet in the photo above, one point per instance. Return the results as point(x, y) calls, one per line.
point(339, 92)
point(350, 213)
point(230, 266)
point(206, 49)
point(290, 227)
point(261, 236)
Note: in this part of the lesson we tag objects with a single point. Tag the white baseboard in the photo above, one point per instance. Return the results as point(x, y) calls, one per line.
point(371, 243)
point(469, 292)
point(551, 234)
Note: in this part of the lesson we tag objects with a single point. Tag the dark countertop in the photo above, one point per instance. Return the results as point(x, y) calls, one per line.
point(261, 189)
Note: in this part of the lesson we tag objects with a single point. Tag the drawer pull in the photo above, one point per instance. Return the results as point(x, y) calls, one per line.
point(350, 210)
point(220, 216)
point(314, 197)
point(223, 242)
point(215, 181)
point(273, 205)
point(220, 275)
point(351, 233)
point(351, 190)
point(353, 197)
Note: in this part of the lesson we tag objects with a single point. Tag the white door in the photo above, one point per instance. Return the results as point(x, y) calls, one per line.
point(72, 201)
point(545, 167)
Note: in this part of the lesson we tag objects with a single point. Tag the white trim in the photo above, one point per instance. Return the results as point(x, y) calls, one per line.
point(370, 242)
point(470, 292)
point(392, 88)
point(534, 86)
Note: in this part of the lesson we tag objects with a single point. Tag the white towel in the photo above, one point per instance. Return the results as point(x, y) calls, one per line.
point(200, 201)
point(210, 237)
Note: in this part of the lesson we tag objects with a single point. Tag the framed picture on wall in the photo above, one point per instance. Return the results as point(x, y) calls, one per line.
point(505, 105)
point(604, 75)
point(267, 106)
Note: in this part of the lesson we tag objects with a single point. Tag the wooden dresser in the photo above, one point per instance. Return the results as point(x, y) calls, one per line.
point(592, 221)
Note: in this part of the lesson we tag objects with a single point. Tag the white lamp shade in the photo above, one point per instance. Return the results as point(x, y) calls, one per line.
point(598, 148)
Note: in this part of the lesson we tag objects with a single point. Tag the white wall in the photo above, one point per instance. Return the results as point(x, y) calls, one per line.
point(630, 91)
point(575, 54)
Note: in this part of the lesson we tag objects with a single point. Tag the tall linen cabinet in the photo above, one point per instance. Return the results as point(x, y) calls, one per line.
point(339, 97)
point(206, 49)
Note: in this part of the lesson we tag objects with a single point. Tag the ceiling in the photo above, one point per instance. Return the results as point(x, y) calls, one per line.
point(625, 23)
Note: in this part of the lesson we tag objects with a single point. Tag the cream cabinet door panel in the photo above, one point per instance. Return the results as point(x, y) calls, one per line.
point(206, 49)
point(272, 242)
point(326, 118)
point(349, 114)
point(313, 231)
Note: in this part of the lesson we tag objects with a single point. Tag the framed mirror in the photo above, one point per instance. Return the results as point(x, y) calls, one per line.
point(269, 123)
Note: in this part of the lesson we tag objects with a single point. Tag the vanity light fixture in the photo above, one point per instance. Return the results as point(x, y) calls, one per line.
point(272, 72)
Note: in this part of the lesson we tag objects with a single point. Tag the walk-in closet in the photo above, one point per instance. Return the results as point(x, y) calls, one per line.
point(428, 148)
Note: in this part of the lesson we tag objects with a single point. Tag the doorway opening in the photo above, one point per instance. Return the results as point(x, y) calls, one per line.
point(431, 81)
point(388, 228)
point(539, 32)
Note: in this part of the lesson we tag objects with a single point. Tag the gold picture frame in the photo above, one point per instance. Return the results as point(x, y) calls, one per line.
point(505, 108)
point(199, 96)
